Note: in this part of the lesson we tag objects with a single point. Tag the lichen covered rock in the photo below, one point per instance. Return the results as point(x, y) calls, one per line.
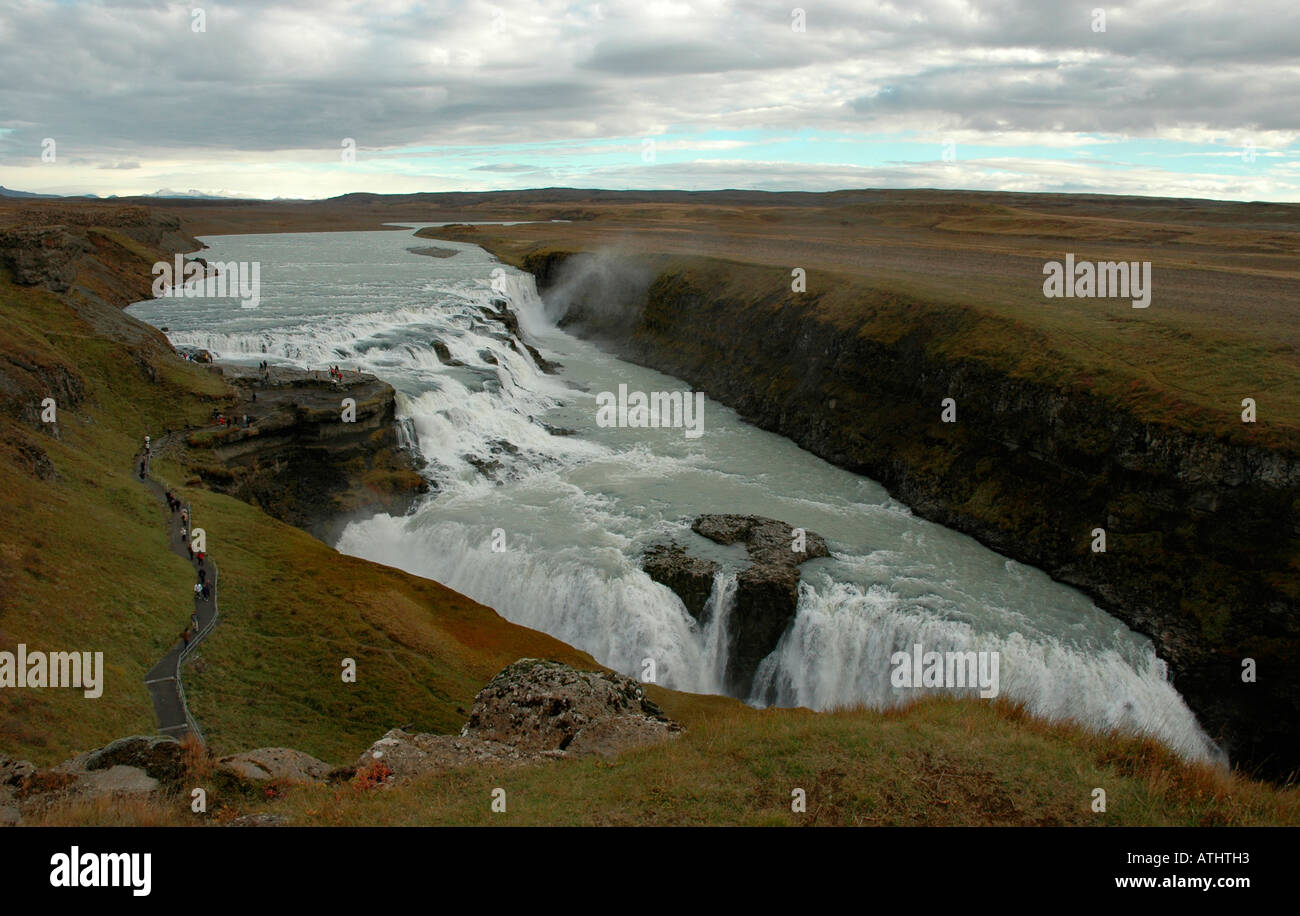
point(531, 712)
point(537, 706)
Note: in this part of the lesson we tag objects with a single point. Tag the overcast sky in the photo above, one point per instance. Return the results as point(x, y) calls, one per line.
point(1180, 98)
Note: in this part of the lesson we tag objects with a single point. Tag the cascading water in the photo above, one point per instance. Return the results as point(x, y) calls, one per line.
point(542, 514)
point(717, 614)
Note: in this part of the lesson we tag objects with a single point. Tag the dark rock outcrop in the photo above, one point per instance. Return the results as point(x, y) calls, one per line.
point(549, 366)
point(769, 542)
point(13, 772)
point(767, 589)
point(160, 756)
point(47, 256)
point(444, 354)
point(299, 461)
point(434, 252)
point(690, 577)
point(13, 775)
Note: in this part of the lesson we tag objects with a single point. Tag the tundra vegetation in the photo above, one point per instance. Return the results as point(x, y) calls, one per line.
point(84, 562)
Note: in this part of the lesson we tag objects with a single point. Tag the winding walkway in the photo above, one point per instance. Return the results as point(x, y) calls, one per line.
point(164, 678)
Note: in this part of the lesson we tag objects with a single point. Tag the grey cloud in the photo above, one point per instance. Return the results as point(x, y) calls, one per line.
point(642, 56)
point(130, 81)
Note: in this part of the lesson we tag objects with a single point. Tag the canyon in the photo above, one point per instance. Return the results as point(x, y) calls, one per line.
point(1202, 532)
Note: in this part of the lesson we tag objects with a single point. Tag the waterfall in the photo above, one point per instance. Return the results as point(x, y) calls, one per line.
point(717, 614)
point(838, 651)
point(543, 515)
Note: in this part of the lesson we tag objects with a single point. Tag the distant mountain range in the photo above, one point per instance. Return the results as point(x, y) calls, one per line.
point(191, 194)
point(6, 192)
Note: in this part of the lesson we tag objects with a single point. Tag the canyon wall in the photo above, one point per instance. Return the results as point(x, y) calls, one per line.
point(1202, 535)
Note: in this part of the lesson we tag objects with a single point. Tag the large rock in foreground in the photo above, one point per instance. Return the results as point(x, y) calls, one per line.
point(160, 756)
point(531, 711)
point(538, 706)
point(116, 781)
point(138, 767)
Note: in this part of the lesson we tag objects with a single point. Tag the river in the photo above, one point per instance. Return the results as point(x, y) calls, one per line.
point(542, 513)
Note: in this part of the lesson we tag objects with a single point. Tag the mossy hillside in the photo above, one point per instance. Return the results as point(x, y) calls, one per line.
point(84, 565)
point(292, 609)
point(939, 762)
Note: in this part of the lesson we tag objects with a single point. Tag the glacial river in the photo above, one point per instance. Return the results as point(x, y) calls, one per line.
point(520, 463)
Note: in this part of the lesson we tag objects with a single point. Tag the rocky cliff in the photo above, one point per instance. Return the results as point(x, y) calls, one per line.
point(99, 260)
point(96, 250)
point(308, 450)
point(1202, 535)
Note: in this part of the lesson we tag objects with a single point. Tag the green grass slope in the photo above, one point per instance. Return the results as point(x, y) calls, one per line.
point(84, 564)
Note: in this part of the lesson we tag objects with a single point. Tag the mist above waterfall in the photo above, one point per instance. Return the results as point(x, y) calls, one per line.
point(601, 292)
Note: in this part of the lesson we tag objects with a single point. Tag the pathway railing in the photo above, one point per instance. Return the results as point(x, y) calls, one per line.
point(191, 723)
